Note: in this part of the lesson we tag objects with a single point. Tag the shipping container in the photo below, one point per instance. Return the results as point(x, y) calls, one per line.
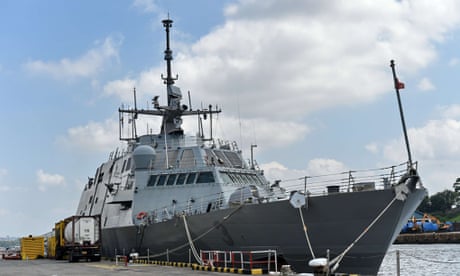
point(32, 247)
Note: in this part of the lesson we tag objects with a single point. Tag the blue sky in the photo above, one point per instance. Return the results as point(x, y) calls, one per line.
point(308, 81)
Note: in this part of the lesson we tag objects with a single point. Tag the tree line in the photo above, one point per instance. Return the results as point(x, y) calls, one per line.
point(439, 203)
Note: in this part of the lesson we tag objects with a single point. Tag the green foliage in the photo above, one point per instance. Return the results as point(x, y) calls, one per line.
point(440, 205)
point(455, 218)
point(443, 201)
point(425, 206)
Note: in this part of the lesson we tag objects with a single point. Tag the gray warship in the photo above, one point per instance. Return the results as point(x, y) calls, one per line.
point(168, 195)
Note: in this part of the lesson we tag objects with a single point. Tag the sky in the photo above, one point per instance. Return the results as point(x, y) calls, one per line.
point(308, 82)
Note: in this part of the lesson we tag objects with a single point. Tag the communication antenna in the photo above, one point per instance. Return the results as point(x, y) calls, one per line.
point(134, 116)
point(239, 121)
point(169, 80)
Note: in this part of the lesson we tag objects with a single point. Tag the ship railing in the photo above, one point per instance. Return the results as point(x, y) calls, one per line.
point(192, 206)
point(246, 260)
point(187, 141)
point(190, 141)
point(348, 181)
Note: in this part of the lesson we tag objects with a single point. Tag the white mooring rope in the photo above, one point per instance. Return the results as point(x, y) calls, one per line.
point(190, 241)
point(336, 261)
point(306, 233)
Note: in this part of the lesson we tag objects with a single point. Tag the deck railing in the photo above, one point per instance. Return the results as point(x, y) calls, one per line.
point(247, 260)
point(350, 181)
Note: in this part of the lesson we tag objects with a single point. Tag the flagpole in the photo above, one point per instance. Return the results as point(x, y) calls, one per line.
point(403, 122)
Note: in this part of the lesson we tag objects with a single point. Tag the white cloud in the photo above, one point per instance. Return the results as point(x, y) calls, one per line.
point(453, 62)
point(147, 84)
point(316, 167)
point(437, 139)
point(450, 112)
point(264, 132)
point(92, 137)
point(121, 88)
point(322, 166)
point(87, 65)
point(313, 52)
point(425, 85)
point(147, 6)
point(277, 171)
point(314, 56)
point(372, 147)
point(434, 145)
point(47, 180)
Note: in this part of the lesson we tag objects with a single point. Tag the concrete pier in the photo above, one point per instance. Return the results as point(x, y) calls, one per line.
point(419, 238)
point(46, 267)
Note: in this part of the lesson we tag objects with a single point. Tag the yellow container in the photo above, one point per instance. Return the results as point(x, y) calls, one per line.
point(32, 247)
point(51, 249)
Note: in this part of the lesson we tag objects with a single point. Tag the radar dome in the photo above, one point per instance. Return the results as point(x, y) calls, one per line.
point(142, 156)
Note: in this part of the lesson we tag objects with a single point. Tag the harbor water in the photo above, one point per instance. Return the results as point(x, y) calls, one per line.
point(422, 259)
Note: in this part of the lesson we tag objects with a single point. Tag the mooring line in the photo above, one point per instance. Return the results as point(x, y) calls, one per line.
point(306, 233)
point(336, 261)
point(190, 242)
point(200, 236)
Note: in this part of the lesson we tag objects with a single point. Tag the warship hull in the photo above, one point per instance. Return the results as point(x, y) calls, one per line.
point(333, 221)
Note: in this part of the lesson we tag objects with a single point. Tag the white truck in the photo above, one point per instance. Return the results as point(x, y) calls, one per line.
point(78, 237)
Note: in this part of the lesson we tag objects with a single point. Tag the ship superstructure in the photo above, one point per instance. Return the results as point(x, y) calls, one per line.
point(169, 192)
point(170, 167)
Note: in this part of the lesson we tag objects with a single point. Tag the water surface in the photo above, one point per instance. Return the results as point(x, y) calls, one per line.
point(422, 259)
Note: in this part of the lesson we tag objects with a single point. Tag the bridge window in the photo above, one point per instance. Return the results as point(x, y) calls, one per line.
point(162, 180)
point(205, 177)
point(152, 180)
point(191, 178)
point(171, 179)
point(181, 179)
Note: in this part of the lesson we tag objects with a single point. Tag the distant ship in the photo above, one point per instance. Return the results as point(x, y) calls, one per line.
point(168, 194)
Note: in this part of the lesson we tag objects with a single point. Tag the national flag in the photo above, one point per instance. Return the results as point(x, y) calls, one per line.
point(399, 85)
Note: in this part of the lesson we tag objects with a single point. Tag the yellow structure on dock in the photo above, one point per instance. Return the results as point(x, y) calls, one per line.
point(32, 247)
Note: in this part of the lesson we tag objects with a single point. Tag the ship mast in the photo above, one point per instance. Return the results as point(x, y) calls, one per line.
point(168, 80)
point(174, 110)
